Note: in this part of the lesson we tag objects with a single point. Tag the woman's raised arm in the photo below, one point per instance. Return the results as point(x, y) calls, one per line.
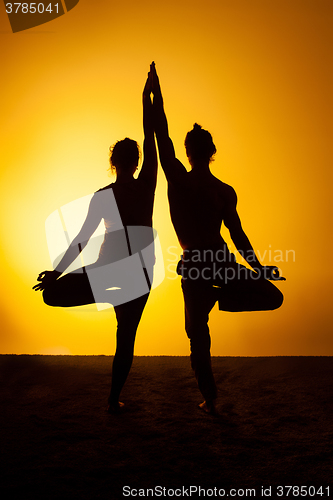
point(148, 171)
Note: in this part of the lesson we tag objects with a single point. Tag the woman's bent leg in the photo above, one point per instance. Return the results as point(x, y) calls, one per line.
point(128, 318)
point(70, 290)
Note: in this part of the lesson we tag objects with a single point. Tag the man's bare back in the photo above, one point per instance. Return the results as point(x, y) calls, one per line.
point(198, 206)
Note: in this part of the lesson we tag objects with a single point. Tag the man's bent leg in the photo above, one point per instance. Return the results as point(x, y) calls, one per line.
point(199, 299)
point(245, 290)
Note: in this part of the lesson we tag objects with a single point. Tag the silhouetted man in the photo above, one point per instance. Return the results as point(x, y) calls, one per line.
point(199, 203)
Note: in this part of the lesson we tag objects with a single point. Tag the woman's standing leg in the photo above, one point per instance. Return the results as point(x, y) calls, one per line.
point(128, 318)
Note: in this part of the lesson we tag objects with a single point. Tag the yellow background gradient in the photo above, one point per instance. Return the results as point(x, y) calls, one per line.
point(256, 73)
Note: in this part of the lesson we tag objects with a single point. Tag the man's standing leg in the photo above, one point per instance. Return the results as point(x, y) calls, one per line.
point(199, 299)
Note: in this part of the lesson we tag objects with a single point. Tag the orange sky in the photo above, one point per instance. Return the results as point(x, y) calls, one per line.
point(257, 75)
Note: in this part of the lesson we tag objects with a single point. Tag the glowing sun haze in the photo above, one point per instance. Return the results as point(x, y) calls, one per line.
point(257, 75)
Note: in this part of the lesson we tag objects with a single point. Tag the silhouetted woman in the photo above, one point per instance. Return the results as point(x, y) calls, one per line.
point(133, 201)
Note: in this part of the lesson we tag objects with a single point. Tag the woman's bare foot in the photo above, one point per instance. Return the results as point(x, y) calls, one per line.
point(209, 407)
point(115, 408)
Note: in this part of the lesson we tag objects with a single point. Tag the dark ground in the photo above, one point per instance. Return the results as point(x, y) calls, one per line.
point(57, 441)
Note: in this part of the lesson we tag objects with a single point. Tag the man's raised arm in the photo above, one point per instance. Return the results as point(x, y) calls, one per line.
point(174, 170)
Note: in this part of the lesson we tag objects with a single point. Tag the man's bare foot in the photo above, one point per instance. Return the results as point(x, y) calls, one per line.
point(115, 408)
point(209, 407)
